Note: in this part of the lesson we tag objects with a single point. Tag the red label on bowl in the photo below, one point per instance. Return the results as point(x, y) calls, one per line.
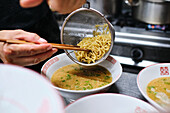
point(49, 63)
point(164, 71)
point(140, 110)
point(110, 59)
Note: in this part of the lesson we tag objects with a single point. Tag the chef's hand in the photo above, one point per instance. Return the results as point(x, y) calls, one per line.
point(24, 54)
point(61, 6)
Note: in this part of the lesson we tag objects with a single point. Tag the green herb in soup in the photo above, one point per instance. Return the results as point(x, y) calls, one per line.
point(159, 91)
point(76, 77)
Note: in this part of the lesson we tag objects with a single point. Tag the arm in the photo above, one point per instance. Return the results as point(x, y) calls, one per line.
point(61, 6)
point(24, 54)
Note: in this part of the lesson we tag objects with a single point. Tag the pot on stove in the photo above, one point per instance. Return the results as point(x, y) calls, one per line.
point(151, 11)
point(110, 8)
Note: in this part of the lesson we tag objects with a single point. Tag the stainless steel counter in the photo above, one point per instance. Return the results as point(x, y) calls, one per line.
point(127, 85)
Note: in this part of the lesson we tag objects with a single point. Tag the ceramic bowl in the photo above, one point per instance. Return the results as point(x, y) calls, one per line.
point(61, 60)
point(150, 73)
point(25, 91)
point(109, 103)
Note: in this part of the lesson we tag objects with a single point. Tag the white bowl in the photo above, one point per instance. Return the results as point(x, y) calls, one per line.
point(109, 103)
point(25, 91)
point(150, 73)
point(62, 60)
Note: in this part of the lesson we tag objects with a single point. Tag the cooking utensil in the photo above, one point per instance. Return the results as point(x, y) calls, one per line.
point(151, 11)
point(59, 46)
point(81, 23)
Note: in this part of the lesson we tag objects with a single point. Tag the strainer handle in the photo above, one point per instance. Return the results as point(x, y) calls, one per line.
point(86, 5)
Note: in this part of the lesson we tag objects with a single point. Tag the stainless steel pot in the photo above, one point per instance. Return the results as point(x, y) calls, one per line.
point(107, 7)
point(151, 11)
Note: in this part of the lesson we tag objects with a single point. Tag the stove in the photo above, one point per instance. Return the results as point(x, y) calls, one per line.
point(140, 44)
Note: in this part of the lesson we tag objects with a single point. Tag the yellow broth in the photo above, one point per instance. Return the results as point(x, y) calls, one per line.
point(76, 77)
point(159, 91)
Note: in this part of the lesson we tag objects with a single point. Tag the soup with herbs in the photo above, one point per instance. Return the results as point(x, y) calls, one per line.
point(76, 77)
point(159, 91)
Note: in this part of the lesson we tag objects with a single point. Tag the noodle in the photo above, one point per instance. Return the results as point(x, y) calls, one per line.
point(99, 44)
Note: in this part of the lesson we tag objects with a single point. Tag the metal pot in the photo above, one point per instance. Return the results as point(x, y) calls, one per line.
point(151, 11)
point(107, 7)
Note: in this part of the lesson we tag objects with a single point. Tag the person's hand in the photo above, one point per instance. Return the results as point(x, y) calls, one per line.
point(24, 54)
point(61, 6)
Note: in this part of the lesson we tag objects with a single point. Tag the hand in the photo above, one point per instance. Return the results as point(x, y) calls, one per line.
point(24, 54)
point(61, 6)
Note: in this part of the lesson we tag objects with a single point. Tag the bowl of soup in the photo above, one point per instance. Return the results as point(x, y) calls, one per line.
point(75, 81)
point(154, 83)
point(109, 103)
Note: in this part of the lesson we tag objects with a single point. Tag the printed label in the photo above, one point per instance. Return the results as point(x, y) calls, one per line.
point(140, 110)
point(49, 63)
point(110, 59)
point(164, 71)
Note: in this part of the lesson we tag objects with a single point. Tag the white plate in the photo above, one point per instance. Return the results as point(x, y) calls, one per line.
point(25, 91)
point(62, 60)
point(150, 73)
point(109, 103)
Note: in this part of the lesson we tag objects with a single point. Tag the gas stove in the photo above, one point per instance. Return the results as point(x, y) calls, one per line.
point(140, 44)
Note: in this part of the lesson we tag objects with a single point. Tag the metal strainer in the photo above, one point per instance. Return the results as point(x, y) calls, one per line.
point(80, 24)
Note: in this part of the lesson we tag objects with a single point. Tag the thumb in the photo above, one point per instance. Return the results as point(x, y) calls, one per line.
point(30, 3)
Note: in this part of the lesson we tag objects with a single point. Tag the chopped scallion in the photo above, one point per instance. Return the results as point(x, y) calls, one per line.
point(97, 75)
point(167, 83)
point(68, 77)
point(107, 77)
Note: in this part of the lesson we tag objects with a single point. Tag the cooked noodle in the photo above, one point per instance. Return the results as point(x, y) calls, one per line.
point(99, 44)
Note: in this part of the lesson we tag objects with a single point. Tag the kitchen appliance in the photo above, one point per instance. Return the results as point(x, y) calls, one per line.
point(151, 11)
point(140, 44)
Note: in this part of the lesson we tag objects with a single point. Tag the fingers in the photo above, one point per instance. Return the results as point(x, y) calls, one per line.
point(30, 3)
point(27, 36)
point(24, 54)
point(20, 50)
point(62, 6)
point(21, 35)
point(65, 6)
point(31, 60)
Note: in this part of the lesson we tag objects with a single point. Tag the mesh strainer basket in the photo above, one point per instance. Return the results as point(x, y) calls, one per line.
point(80, 24)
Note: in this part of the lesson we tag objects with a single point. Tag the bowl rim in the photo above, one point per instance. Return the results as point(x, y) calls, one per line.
point(83, 91)
point(142, 92)
point(112, 94)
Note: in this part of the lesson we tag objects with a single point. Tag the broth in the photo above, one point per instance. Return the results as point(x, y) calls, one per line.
point(76, 77)
point(159, 91)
